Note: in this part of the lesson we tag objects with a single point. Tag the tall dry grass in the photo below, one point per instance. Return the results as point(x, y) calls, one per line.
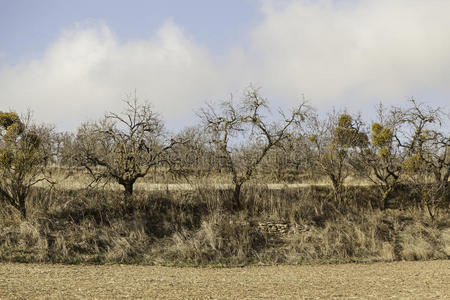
point(198, 227)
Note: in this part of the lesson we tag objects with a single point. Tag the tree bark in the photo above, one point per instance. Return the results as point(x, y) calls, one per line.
point(338, 187)
point(128, 190)
point(237, 197)
point(22, 207)
point(386, 197)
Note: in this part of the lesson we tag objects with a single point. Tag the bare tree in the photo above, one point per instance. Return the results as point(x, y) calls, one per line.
point(334, 142)
point(243, 135)
point(64, 149)
point(289, 161)
point(24, 154)
point(381, 161)
point(428, 150)
point(194, 156)
point(124, 147)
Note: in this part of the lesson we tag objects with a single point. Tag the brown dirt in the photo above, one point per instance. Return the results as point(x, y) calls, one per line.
point(399, 280)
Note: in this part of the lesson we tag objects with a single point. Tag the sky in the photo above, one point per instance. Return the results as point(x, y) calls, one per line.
point(72, 61)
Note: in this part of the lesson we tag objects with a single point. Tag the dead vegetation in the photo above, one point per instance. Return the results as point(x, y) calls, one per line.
point(200, 227)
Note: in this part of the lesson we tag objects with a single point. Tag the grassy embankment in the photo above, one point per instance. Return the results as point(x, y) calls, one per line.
point(195, 226)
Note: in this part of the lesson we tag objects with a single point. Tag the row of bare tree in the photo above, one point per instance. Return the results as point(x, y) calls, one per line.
point(241, 139)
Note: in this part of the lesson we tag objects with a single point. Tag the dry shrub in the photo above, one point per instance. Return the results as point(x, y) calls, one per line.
point(421, 242)
point(130, 243)
point(88, 242)
point(341, 240)
point(222, 238)
point(293, 205)
point(21, 242)
point(372, 236)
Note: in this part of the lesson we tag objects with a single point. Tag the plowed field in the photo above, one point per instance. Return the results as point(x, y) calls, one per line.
point(400, 280)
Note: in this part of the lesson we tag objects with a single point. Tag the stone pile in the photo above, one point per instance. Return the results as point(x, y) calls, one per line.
point(274, 227)
point(281, 227)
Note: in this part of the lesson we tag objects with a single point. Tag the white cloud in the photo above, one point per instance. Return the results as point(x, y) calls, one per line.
point(88, 72)
point(354, 52)
point(361, 50)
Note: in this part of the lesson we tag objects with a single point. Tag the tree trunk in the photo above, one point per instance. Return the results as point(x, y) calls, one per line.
point(386, 197)
point(22, 207)
point(128, 192)
point(337, 190)
point(237, 197)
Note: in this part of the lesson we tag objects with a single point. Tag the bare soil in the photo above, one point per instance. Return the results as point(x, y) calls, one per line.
point(399, 280)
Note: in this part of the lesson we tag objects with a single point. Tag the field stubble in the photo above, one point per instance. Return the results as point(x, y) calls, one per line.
point(404, 280)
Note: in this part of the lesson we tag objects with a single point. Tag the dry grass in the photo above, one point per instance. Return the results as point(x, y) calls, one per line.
point(161, 180)
point(196, 227)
